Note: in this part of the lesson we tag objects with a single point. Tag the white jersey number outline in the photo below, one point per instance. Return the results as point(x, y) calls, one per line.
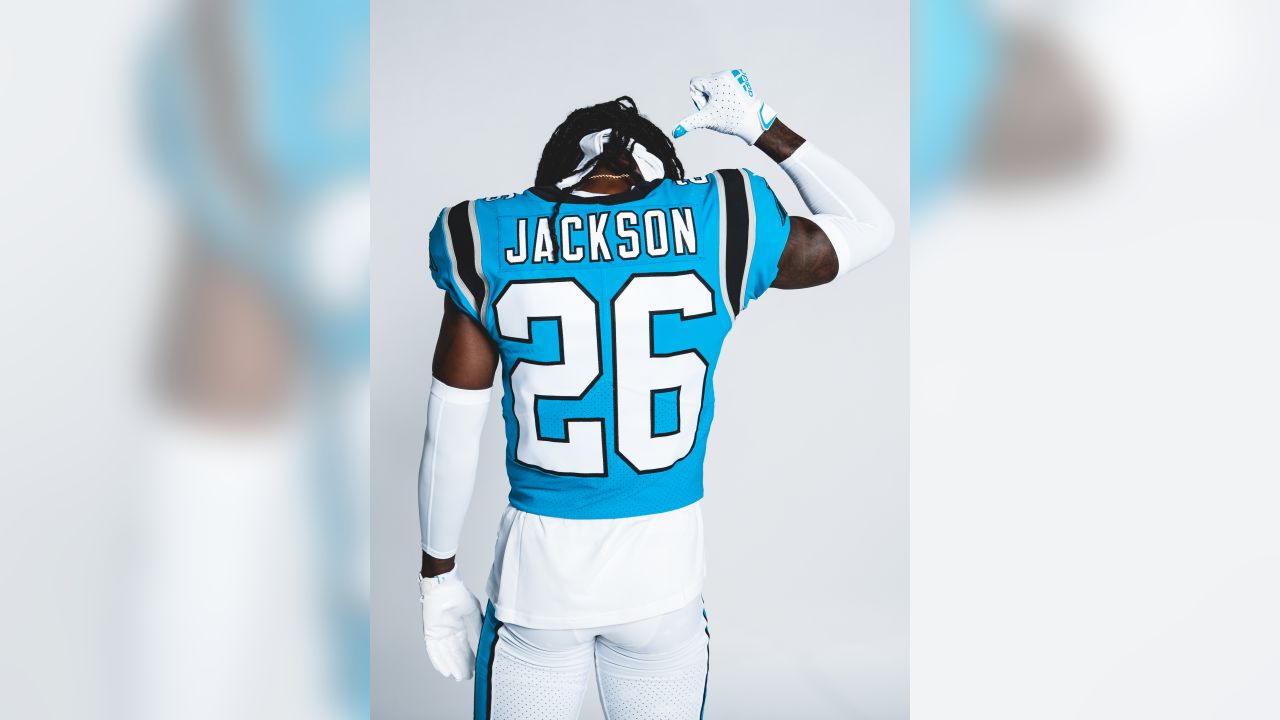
point(639, 372)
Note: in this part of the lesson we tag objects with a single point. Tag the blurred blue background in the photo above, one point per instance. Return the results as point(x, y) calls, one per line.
point(191, 182)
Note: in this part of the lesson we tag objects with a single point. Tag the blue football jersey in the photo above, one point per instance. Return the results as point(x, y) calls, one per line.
point(609, 326)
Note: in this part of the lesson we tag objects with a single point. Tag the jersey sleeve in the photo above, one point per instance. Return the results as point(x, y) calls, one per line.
point(772, 226)
point(445, 268)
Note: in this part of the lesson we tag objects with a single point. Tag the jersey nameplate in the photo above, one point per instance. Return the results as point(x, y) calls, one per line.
point(604, 236)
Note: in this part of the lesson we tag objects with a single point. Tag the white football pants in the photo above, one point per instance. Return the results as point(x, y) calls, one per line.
point(651, 669)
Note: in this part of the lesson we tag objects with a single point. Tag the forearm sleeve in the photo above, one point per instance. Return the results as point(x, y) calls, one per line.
point(853, 218)
point(447, 474)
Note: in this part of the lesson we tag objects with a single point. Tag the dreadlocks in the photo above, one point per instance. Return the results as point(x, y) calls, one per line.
point(561, 156)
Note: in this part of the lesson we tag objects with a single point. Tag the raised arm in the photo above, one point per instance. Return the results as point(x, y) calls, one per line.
point(849, 225)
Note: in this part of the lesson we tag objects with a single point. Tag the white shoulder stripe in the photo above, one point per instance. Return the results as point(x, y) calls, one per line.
point(475, 243)
point(751, 239)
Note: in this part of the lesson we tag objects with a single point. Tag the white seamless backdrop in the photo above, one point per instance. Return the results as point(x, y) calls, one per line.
point(806, 475)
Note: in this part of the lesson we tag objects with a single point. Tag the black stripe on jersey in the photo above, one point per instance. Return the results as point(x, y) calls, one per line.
point(736, 227)
point(464, 252)
point(706, 678)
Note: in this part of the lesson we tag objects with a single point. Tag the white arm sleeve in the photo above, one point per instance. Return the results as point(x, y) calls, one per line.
point(857, 223)
point(448, 471)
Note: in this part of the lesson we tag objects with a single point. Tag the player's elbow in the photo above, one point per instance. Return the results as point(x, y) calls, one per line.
point(857, 242)
point(882, 234)
point(872, 240)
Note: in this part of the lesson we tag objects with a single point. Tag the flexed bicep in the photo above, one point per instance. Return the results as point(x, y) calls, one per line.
point(808, 259)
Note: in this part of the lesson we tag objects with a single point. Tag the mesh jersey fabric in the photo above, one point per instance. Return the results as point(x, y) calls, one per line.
point(609, 322)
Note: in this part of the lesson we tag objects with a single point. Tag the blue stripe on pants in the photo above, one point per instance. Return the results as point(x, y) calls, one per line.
point(484, 664)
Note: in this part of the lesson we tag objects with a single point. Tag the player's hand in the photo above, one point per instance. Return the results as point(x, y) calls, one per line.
point(728, 104)
point(451, 625)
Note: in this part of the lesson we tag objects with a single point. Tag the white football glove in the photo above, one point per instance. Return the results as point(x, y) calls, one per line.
point(728, 104)
point(451, 625)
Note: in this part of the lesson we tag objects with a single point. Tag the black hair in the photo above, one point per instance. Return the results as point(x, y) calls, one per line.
point(561, 155)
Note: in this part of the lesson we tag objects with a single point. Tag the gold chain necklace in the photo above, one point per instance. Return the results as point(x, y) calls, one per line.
point(604, 176)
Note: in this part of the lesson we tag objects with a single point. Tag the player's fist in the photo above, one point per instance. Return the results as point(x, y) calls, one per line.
point(450, 625)
point(728, 104)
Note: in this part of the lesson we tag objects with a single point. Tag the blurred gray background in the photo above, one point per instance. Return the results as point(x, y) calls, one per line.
point(806, 503)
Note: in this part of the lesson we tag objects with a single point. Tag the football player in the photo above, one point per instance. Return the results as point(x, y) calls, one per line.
point(606, 291)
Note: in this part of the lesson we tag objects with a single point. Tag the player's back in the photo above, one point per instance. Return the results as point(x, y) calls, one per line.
point(609, 313)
